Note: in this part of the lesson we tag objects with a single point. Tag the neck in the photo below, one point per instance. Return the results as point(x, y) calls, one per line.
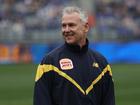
point(78, 48)
point(82, 43)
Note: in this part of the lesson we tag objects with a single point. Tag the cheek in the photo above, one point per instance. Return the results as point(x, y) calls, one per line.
point(80, 31)
point(80, 28)
point(77, 30)
point(62, 29)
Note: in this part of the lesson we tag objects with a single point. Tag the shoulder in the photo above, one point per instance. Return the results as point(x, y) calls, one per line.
point(100, 59)
point(48, 58)
point(56, 51)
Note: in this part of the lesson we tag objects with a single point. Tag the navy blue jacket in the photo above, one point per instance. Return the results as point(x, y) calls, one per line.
point(70, 75)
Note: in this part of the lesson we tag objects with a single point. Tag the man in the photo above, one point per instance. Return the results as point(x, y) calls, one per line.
point(73, 74)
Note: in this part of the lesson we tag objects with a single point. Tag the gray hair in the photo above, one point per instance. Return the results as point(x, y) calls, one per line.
point(69, 10)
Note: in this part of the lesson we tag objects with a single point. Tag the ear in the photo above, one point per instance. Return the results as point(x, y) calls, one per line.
point(86, 27)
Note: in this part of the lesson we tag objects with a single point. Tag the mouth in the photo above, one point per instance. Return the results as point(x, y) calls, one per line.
point(68, 34)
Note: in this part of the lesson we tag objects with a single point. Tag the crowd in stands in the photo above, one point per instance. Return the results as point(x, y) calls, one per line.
point(118, 18)
point(23, 19)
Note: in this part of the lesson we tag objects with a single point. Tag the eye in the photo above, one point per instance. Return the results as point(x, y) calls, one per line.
point(63, 25)
point(72, 25)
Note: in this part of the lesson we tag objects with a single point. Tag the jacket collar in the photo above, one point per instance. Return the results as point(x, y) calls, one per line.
point(77, 48)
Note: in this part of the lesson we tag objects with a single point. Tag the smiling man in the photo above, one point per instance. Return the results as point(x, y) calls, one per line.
point(74, 29)
point(73, 74)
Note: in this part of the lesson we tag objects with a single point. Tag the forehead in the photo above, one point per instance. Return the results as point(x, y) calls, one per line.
point(73, 17)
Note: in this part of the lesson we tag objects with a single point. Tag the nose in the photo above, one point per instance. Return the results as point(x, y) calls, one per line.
point(67, 28)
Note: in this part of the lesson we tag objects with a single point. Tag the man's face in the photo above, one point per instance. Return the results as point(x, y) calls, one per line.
point(73, 29)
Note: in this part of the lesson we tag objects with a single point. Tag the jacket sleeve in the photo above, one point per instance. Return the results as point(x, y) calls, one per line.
point(43, 84)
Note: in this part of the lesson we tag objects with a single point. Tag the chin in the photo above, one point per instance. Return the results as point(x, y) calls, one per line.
point(70, 41)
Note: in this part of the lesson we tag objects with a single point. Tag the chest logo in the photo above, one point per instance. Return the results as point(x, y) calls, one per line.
point(66, 64)
point(95, 64)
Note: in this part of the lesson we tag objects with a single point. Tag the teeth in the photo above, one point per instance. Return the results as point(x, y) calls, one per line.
point(69, 34)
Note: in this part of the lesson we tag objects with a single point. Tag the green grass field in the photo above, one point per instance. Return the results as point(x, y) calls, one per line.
point(17, 82)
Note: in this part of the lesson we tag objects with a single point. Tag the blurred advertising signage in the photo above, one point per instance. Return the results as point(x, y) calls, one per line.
point(15, 53)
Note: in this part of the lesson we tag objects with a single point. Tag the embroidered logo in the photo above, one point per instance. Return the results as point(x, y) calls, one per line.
point(66, 64)
point(95, 64)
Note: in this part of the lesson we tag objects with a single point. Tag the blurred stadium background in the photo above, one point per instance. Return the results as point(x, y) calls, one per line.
point(29, 29)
